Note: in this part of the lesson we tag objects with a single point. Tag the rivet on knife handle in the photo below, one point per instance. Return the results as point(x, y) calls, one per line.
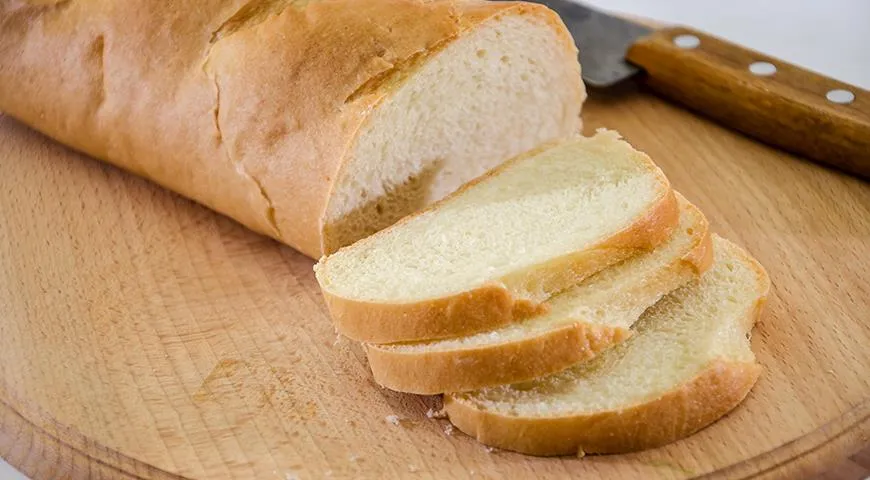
point(773, 101)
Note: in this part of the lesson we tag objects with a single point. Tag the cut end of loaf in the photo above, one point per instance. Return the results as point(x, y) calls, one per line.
point(509, 84)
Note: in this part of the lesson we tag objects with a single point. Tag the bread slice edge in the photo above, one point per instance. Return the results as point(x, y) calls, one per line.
point(695, 404)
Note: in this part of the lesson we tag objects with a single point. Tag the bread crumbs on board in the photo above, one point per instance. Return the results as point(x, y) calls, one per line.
point(393, 419)
point(432, 413)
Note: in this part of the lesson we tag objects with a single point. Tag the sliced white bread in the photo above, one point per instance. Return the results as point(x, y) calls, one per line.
point(493, 252)
point(688, 363)
point(582, 321)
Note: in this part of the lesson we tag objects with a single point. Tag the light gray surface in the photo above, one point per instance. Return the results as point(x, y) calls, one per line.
point(829, 37)
point(9, 473)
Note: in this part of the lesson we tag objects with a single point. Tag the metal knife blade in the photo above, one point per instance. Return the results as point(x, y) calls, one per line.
point(602, 39)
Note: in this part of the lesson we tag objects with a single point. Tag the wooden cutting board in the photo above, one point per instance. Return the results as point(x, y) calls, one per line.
point(144, 336)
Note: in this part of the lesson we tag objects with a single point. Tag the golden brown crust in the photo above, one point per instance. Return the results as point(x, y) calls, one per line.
point(465, 369)
point(472, 311)
point(462, 369)
point(246, 106)
point(700, 401)
point(491, 306)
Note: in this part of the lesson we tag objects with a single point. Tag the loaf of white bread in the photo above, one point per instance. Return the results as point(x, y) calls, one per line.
point(568, 301)
point(564, 301)
point(314, 122)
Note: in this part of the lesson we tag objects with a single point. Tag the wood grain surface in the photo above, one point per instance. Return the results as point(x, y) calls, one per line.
point(142, 336)
point(788, 108)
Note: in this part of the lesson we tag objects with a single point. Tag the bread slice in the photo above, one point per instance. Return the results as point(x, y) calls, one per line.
point(688, 363)
point(314, 122)
point(581, 322)
point(492, 253)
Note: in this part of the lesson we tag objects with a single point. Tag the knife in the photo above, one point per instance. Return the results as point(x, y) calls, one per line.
point(766, 98)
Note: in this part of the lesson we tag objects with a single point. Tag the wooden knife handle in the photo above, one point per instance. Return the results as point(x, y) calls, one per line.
point(791, 107)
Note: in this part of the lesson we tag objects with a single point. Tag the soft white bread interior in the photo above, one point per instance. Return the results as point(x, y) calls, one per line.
point(688, 363)
point(496, 250)
point(581, 321)
point(505, 87)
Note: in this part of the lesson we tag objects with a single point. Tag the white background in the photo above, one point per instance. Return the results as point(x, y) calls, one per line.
point(831, 37)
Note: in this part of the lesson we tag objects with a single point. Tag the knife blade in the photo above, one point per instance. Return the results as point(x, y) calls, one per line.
point(602, 39)
point(766, 98)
